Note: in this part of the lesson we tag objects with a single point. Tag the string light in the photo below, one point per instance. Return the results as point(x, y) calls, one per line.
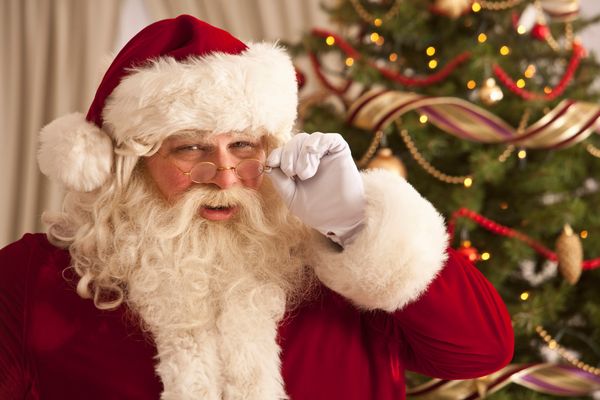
point(504, 50)
point(485, 256)
point(423, 119)
point(377, 22)
point(521, 30)
point(547, 90)
point(468, 182)
point(476, 7)
point(520, 83)
point(530, 71)
point(349, 61)
point(583, 234)
point(330, 40)
point(374, 37)
point(524, 296)
point(466, 243)
point(471, 84)
point(430, 51)
point(522, 154)
point(393, 57)
point(481, 38)
point(380, 41)
point(433, 64)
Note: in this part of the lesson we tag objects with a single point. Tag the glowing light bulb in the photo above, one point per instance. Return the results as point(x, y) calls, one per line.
point(468, 182)
point(377, 22)
point(430, 51)
point(522, 154)
point(476, 7)
point(330, 40)
point(471, 84)
point(349, 61)
point(374, 37)
point(521, 83)
point(504, 50)
point(393, 57)
point(432, 64)
point(485, 256)
point(524, 296)
point(481, 38)
point(423, 119)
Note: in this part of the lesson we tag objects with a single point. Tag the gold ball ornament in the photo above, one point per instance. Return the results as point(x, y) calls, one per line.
point(452, 8)
point(570, 255)
point(385, 159)
point(490, 93)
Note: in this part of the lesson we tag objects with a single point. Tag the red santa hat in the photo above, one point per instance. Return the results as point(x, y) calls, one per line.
point(174, 75)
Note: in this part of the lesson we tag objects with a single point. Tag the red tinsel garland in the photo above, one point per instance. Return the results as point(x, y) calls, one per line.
point(508, 232)
point(577, 54)
point(349, 51)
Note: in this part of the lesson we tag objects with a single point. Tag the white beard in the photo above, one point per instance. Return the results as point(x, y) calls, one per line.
point(212, 295)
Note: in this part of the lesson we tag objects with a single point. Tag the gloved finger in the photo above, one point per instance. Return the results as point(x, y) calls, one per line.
point(313, 148)
point(318, 148)
point(274, 159)
point(283, 184)
point(290, 153)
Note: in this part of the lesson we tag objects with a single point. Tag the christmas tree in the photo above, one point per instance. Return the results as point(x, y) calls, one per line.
point(489, 108)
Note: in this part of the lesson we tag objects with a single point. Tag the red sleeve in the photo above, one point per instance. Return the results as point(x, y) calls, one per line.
point(459, 328)
point(15, 382)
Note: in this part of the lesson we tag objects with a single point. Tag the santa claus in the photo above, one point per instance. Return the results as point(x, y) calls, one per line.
point(206, 252)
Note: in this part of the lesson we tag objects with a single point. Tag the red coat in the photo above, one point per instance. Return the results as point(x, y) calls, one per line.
point(56, 345)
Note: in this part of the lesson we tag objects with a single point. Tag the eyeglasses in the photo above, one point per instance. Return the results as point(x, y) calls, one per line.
point(205, 171)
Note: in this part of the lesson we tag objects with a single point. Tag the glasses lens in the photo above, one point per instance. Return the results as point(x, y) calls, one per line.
point(203, 172)
point(249, 169)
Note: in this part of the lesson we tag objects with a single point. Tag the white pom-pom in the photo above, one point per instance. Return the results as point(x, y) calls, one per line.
point(75, 152)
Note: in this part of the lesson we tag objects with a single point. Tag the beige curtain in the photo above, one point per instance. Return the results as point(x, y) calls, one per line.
point(51, 53)
point(248, 19)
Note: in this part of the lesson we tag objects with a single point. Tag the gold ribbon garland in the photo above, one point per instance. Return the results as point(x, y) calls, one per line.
point(569, 123)
point(550, 378)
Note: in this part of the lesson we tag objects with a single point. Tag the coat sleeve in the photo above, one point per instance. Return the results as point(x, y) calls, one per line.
point(459, 328)
point(15, 382)
point(450, 321)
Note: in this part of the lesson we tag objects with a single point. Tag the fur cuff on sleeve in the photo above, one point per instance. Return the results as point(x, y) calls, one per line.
point(395, 256)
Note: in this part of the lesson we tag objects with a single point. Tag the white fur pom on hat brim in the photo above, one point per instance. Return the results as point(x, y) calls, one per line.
point(75, 152)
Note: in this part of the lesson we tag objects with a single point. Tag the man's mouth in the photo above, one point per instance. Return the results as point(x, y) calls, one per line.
point(217, 213)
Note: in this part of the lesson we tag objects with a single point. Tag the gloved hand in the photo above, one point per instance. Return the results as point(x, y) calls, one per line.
point(317, 178)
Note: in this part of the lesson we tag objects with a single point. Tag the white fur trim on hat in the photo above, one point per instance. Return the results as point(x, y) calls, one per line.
point(75, 152)
point(399, 251)
point(253, 92)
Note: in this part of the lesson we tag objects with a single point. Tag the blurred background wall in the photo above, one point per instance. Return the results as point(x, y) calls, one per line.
point(53, 54)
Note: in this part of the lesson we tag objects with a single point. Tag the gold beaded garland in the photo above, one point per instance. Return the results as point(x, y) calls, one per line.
point(430, 169)
point(554, 345)
point(498, 5)
point(370, 18)
point(593, 150)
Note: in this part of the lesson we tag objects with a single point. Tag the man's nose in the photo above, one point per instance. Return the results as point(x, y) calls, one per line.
point(226, 176)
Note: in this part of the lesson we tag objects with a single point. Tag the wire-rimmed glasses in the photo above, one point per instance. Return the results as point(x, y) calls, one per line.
point(246, 169)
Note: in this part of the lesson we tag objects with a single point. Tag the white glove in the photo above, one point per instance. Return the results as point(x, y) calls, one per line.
point(318, 180)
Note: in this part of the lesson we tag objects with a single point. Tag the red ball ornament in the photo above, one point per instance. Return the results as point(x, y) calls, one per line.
point(300, 78)
point(540, 31)
point(470, 252)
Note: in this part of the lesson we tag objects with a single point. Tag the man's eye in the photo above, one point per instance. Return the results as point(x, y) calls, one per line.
point(189, 148)
point(243, 144)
